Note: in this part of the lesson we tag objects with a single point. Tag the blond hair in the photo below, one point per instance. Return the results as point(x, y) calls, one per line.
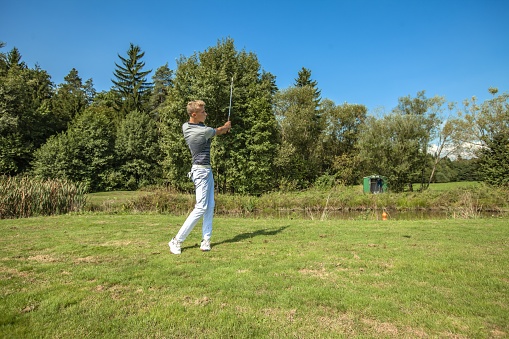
point(195, 106)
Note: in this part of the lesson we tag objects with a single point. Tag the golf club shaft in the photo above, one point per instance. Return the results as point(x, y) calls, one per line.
point(230, 108)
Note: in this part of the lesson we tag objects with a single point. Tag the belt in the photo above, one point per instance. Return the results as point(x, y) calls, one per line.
point(202, 166)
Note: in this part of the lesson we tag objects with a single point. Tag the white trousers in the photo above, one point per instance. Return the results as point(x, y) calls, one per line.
point(204, 208)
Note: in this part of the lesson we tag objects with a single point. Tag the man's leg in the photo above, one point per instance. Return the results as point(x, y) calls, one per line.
point(200, 177)
point(209, 213)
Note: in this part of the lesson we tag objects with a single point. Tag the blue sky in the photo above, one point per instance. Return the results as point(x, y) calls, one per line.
point(367, 52)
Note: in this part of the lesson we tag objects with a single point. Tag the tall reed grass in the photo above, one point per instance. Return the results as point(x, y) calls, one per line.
point(22, 197)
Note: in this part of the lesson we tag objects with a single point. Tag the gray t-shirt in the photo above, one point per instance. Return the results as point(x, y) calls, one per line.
point(198, 138)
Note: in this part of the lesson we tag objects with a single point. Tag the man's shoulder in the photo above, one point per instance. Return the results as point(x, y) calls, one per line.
point(188, 124)
point(191, 129)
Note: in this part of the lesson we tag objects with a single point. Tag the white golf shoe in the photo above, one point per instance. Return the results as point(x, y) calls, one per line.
point(175, 246)
point(205, 245)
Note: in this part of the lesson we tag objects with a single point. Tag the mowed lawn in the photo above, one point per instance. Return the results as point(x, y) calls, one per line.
point(112, 276)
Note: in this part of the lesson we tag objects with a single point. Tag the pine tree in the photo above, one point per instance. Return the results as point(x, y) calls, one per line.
point(14, 59)
point(131, 83)
point(304, 79)
point(3, 59)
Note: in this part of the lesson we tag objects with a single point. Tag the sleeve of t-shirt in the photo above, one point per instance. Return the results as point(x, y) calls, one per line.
point(210, 132)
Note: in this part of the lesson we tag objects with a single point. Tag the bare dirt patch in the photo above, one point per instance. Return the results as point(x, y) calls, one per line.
point(43, 258)
point(320, 272)
point(123, 243)
point(87, 260)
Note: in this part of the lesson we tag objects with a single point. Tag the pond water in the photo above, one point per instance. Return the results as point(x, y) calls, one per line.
point(372, 215)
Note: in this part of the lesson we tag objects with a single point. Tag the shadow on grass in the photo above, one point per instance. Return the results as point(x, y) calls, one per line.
point(244, 236)
point(249, 235)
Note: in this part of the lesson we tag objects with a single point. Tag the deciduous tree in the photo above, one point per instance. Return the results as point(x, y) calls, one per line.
point(70, 99)
point(342, 125)
point(25, 114)
point(242, 159)
point(84, 153)
point(396, 145)
point(489, 127)
point(137, 151)
point(299, 155)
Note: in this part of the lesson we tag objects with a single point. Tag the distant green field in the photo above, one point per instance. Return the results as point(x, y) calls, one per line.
point(113, 199)
point(451, 185)
point(112, 276)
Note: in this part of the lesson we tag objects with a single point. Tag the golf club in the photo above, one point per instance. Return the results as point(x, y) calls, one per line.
point(230, 108)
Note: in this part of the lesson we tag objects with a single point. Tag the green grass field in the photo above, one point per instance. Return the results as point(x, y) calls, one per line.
point(112, 276)
point(446, 186)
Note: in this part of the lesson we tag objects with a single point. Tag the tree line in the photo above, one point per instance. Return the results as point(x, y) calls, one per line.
point(282, 139)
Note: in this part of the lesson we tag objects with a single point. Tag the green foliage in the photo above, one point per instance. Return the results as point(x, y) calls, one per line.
point(491, 121)
point(13, 59)
point(347, 168)
point(491, 118)
point(243, 158)
point(325, 181)
point(22, 197)
point(84, 153)
point(396, 145)
point(70, 99)
point(283, 140)
point(342, 126)
point(177, 158)
point(445, 171)
point(304, 79)
point(466, 169)
point(164, 201)
point(300, 152)
point(137, 151)
point(458, 200)
point(494, 160)
point(25, 116)
point(163, 81)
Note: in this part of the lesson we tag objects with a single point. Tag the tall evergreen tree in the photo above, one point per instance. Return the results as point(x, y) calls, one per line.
point(14, 59)
point(297, 111)
point(131, 83)
point(304, 79)
point(3, 60)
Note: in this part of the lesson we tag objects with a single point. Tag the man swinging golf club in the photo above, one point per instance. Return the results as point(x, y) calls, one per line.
point(198, 138)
